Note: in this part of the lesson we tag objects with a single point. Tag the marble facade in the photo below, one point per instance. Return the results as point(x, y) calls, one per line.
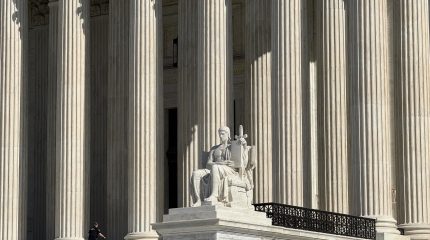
point(334, 94)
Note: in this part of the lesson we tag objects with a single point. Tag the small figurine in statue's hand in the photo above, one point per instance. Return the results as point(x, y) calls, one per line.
point(241, 137)
point(243, 141)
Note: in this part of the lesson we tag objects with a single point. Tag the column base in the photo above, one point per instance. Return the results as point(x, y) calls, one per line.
point(385, 224)
point(416, 231)
point(152, 235)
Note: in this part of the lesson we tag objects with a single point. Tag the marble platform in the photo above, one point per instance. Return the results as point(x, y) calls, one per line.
point(224, 223)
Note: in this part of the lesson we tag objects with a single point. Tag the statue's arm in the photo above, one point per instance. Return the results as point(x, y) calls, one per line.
point(210, 161)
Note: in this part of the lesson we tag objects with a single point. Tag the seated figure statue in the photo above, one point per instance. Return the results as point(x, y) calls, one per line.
point(227, 179)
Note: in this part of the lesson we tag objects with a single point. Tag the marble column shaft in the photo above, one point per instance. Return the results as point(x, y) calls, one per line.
point(258, 91)
point(287, 71)
point(51, 120)
point(13, 37)
point(332, 112)
point(188, 148)
point(413, 87)
point(370, 149)
point(99, 75)
point(310, 113)
point(71, 133)
point(214, 73)
point(36, 113)
point(143, 141)
point(117, 163)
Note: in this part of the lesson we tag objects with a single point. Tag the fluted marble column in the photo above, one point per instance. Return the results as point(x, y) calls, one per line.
point(13, 36)
point(332, 95)
point(51, 120)
point(37, 107)
point(258, 92)
point(71, 149)
point(144, 84)
point(413, 88)
point(188, 148)
point(214, 73)
point(117, 164)
point(99, 46)
point(287, 55)
point(370, 124)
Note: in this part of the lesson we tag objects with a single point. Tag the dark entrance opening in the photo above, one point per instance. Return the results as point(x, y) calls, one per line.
point(172, 157)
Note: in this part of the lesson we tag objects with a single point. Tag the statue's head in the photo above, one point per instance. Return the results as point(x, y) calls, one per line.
point(224, 134)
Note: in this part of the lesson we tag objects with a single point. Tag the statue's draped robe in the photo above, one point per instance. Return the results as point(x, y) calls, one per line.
point(218, 154)
point(201, 181)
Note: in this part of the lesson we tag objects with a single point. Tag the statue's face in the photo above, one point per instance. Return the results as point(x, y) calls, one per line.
point(223, 135)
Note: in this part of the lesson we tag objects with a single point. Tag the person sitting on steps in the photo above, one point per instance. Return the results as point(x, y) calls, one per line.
point(95, 232)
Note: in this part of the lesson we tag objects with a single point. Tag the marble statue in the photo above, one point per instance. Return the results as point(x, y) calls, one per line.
point(227, 178)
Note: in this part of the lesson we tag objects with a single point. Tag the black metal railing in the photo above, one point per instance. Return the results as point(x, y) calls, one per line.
point(318, 221)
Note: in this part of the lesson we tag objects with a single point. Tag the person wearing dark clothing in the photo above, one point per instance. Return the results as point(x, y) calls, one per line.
point(95, 232)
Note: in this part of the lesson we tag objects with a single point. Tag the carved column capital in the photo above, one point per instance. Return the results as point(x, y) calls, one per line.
point(39, 12)
point(99, 7)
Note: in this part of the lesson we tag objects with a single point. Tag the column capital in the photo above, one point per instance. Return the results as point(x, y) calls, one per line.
point(39, 13)
point(99, 7)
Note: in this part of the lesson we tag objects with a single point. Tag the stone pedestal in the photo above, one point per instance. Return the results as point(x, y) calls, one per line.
point(218, 222)
point(211, 222)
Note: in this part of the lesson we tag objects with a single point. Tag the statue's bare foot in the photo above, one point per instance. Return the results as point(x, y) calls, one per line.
point(212, 199)
point(197, 204)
